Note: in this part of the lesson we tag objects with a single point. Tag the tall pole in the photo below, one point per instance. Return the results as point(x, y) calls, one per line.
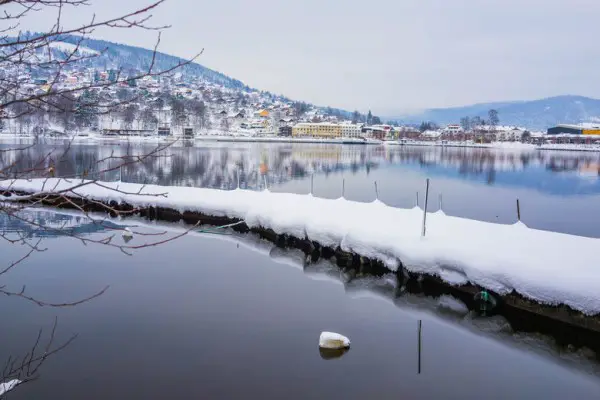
point(518, 210)
point(343, 188)
point(425, 208)
point(376, 191)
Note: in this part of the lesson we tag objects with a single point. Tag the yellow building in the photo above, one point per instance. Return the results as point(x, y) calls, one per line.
point(263, 113)
point(321, 129)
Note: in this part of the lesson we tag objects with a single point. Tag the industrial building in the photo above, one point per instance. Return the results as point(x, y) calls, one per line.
point(574, 130)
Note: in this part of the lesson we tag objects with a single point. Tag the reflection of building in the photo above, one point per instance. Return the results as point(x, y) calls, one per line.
point(321, 129)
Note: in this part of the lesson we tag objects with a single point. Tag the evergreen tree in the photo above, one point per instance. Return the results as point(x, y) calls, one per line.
point(369, 118)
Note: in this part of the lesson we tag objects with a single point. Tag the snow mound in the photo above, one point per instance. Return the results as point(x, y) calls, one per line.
point(547, 267)
point(331, 340)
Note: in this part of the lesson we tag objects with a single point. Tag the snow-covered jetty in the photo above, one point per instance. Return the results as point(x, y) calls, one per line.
point(530, 265)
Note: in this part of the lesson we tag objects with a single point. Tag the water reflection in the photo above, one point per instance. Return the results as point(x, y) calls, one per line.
point(332, 354)
point(48, 224)
point(200, 307)
point(220, 165)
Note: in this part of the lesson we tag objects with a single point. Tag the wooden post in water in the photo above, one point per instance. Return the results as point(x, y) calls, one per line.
point(376, 192)
point(425, 208)
point(518, 210)
point(419, 345)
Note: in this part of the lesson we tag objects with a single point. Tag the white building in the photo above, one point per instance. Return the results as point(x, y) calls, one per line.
point(351, 130)
point(509, 135)
point(452, 129)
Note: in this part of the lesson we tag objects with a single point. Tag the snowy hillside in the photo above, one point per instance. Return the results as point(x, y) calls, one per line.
point(129, 57)
point(536, 114)
point(69, 48)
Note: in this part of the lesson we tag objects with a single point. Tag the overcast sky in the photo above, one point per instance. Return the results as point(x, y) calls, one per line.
point(386, 55)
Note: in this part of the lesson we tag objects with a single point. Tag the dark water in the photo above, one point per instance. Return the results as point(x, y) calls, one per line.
point(228, 317)
point(558, 191)
point(210, 316)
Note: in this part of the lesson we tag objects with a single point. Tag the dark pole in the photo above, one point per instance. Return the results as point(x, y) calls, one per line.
point(518, 210)
point(425, 208)
point(376, 191)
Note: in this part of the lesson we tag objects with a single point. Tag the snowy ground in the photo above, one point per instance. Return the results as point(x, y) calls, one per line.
point(547, 267)
point(515, 146)
point(570, 147)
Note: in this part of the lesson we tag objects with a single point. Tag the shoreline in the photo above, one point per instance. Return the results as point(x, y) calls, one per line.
point(506, 146)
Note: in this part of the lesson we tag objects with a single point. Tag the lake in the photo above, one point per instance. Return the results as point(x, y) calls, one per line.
point(231, 316)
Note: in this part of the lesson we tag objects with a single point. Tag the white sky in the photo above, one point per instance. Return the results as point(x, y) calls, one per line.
point(387, 55)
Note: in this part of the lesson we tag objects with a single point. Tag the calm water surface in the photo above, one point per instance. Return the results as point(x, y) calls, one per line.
point(226, 317)
point(212, 316)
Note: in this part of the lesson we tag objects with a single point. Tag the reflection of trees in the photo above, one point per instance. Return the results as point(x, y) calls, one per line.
point(219, 167)
point(477, 161)
point(203, 167)
point(27, 229)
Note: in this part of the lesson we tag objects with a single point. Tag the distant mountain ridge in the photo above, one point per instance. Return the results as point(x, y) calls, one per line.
point(535, 114)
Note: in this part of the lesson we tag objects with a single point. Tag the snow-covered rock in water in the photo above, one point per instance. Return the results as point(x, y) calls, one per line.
point(331, 340)
point(7, 386)
point(127, 235)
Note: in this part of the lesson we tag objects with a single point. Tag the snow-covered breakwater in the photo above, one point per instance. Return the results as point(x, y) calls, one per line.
point(547, 267)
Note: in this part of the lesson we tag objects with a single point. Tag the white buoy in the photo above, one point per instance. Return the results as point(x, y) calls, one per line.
point(331, 340)
point(127, 234)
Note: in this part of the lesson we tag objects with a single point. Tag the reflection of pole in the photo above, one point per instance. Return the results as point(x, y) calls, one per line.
point(419, 339)
point(265, 179)
point(238, 178)
point(425, 208)
point(440, 202)
point(120, 173)
point(417, 203)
